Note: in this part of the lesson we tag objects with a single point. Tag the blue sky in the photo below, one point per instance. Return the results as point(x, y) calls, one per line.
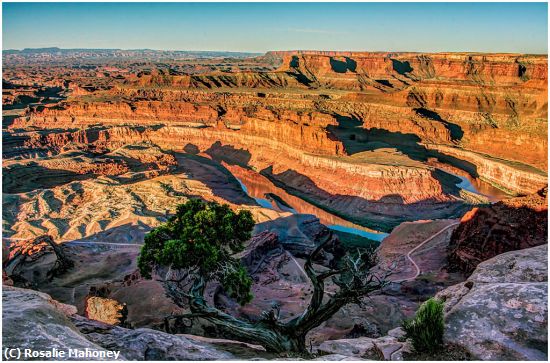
point(258, 27)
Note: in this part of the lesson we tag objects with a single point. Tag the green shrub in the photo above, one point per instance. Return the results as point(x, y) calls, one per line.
point(427, 327)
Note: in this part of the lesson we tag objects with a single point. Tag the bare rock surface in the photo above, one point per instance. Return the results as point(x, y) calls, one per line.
point(105, 310)
point(358, 347)
point(35, 261)
point(384, 348)
point(336, 357)
point(32, 320)
point(147, 344)
point(509, 225)
point(501, 311)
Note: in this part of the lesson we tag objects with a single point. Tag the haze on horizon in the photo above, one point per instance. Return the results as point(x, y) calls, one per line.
point(260, 27)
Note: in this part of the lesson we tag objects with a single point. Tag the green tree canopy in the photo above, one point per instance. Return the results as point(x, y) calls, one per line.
point(198, 244)
point(201, 238)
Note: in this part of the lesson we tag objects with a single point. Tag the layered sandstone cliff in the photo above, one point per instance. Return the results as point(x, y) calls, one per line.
point(350, 132)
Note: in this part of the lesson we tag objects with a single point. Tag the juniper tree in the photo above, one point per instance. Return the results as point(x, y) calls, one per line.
point(197, 246)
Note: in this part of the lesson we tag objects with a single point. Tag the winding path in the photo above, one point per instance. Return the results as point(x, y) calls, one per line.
point(408, 255)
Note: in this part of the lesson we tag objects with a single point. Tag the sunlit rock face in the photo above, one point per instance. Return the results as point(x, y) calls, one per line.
point(95, 156)
point(34, 262)
point(509, 225)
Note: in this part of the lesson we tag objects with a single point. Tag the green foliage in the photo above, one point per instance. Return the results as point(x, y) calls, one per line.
point(237, 284)
point(202, 237)
point(427, 327)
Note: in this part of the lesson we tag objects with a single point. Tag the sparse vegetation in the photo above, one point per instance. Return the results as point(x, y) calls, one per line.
point(427, 327)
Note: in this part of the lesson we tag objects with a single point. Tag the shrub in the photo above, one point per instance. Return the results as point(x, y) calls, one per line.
point(427, 327)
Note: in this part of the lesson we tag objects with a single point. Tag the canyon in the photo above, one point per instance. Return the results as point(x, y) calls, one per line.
point(439, 157)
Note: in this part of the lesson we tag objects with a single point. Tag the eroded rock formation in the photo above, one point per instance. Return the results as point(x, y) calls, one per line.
point(35, 262)
point(509, 225)
point(336, 128)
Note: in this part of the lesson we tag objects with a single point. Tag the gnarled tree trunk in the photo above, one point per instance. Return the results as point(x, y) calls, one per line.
point(271, 333)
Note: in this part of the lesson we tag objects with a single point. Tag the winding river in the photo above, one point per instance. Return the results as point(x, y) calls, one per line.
point(272, 197)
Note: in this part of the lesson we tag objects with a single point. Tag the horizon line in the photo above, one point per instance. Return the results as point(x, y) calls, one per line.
point(270, 51)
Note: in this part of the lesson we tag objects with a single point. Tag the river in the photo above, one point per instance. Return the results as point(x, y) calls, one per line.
point(272, 197)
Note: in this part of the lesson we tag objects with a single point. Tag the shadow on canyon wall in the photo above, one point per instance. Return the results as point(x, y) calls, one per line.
point(342, 66)
point(229, 154)
point(26, 178)
point(454, 130)
point(356, 139)
point(212, 173)
point(383, 214)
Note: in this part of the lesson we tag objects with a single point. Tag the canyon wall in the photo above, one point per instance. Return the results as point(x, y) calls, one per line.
point(508, 225)
point(347, 131)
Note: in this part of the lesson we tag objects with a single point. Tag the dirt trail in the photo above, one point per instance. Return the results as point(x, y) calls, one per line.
point(420, 245)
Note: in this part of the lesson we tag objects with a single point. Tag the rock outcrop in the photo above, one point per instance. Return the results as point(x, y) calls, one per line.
point(501, 311)
point(32, 320)
point(147, 344)
point(105, 310)
point(35, 261)
point(389, 347)
point(300, 234)
point(508, 225)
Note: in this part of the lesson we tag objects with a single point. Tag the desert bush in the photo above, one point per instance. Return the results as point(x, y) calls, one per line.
point(427, 327)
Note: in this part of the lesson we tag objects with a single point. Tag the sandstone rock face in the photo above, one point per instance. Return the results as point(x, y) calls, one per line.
point(492, 104)
point(32, 320)
point(508, 225)
point(105, 310)
point(517, 180)
point(501, 311)
point(36, 261)
point(147, 344)
point(390, 347)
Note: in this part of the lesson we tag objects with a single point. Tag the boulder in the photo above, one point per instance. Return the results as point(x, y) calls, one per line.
point(390, 348)
point(385, 348)
point(528, 265)
point(240, 350)
point(501, 311)
point(359, 347)
point(105, 310)
point(35, 261)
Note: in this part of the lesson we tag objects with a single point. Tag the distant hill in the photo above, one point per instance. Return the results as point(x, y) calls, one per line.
point(124, 53)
